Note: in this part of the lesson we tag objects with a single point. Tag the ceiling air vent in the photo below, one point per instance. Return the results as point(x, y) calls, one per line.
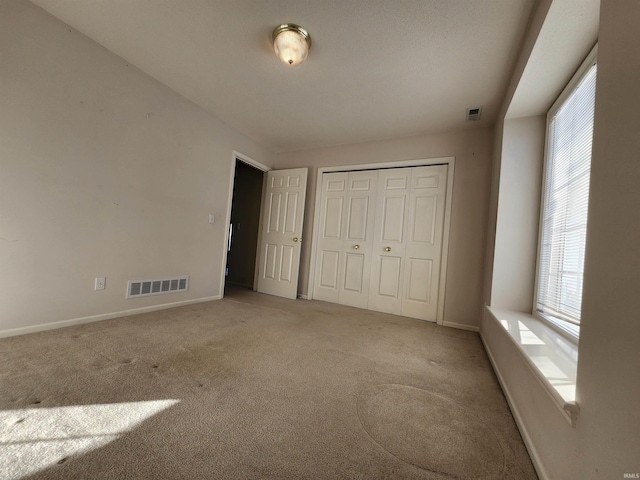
point(473, 114)
point(144, 288)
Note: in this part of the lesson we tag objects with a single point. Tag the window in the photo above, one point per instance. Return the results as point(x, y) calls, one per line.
point(563, 224)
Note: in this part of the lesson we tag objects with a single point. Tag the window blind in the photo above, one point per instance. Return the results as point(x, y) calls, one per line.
point(565, 203)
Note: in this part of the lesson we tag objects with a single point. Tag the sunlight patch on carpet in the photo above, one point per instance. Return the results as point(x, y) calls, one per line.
point(32, 439)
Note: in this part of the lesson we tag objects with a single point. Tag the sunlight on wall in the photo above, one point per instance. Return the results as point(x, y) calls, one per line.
point(32, 439)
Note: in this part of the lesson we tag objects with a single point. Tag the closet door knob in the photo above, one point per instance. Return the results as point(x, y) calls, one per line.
point(356, 246)
point(387, 249)
point(295, 239)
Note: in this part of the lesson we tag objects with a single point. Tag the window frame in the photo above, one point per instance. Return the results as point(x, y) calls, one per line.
point(567, 329)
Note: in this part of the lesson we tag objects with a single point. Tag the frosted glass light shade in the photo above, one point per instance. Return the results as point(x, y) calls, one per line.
point(291, 43)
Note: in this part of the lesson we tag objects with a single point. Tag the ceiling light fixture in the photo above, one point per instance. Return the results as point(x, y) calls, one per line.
point(291, 43)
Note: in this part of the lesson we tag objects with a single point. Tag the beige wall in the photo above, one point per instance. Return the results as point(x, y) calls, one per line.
point(535, 25)
point(516, 241)
point(103, 172)
point(472, 150)
point(608, 386)
point(605, 442)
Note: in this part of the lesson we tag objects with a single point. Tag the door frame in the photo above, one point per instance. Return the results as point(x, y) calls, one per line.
point(235, 156)
point(424, 162)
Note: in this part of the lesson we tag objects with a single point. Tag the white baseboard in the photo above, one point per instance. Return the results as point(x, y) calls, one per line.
point(96, 318)
point(461, 326)
point(533, 452)
point(302, 296)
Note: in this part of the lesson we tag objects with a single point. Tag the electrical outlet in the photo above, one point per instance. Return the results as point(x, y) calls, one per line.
point(101, 283)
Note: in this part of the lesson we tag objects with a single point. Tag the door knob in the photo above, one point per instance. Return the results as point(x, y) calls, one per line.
point(356, 246)
point(387, 249)
point(295, 239)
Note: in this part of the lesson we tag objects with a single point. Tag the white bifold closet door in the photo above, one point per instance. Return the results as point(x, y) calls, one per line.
point(407, 248)
point(380, 239)
point(343, 258)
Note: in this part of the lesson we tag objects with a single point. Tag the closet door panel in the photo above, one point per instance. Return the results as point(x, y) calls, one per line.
point(387, 267)
point(393, 211)
point(329, 262)
point(354, 272)
point(423, 230)
point(357, 218)
point(357, 247)
point(388, 280)
point(328, 275)
point(424, 242)
point(332, 222)
point(419, 272)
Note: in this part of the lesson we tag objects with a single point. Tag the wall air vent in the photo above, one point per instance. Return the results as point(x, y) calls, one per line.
point(144, 288)
point(473, 114)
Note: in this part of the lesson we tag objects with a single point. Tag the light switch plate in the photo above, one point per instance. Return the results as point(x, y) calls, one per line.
point(212, 218)
point(101, 283)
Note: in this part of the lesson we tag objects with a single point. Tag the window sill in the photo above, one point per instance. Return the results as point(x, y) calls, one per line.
point(552, 358)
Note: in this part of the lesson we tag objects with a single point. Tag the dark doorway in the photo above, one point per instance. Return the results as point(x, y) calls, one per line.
point(244, 226)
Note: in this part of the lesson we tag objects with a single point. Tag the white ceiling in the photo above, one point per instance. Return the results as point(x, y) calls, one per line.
point(377, 69)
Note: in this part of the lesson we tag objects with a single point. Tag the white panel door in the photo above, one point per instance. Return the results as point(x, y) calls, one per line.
point(424, 242)
point(359, 221)
point(387, 267)
point(328, 276)
point(345, 238)
point(283, 213)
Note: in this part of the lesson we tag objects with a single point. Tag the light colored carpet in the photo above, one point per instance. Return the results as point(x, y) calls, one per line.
point(431, 432)
point(255, 386)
